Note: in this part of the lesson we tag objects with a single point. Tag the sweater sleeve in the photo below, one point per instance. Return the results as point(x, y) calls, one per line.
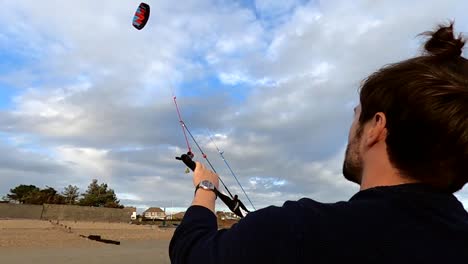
point(269, 235)
point(198, 224)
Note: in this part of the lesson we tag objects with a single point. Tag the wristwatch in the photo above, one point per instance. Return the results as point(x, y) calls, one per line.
point(207, 185)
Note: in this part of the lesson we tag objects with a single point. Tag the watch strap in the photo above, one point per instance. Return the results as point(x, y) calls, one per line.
point(216, 192)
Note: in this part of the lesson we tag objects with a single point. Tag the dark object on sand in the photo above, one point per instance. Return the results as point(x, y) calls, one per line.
point(99, 239)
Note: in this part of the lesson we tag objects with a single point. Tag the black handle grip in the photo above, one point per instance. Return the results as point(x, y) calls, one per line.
point(187, 159)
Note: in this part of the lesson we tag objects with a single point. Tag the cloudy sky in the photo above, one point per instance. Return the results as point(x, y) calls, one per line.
point(84, 95)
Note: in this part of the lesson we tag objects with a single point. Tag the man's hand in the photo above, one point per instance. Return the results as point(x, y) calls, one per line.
point(203, 197)
point(202, 173)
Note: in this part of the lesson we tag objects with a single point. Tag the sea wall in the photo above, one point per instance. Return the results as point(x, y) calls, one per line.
point(64, 212)
point(23, 211)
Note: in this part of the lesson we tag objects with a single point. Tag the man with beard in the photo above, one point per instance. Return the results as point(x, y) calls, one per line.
point(408, 151)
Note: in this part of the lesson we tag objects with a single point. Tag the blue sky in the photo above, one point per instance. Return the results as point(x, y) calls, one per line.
point(11, 61)
point(5, 97)
point(93, 100)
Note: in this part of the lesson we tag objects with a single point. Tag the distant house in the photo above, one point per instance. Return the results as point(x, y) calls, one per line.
point(178, 216)
point(232, 216)
point(154, 213)
point(227, 215)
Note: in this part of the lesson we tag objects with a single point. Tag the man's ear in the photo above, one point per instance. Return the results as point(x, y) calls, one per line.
point(376, 129)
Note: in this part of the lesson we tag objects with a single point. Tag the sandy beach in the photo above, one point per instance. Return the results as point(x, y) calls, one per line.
point(28, 241)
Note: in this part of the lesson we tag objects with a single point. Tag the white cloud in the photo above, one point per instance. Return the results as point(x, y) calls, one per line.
point(129, 196)
point(89, 161)
point(462, 196)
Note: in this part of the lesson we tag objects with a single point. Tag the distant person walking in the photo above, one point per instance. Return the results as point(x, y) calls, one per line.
point(408, 151)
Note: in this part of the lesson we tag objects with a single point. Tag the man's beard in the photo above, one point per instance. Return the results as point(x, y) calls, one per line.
point(352, 165)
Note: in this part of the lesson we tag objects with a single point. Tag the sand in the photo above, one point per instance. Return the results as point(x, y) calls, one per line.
point(35, 241)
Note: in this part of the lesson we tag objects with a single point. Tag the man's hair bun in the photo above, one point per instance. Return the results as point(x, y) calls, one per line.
point(443, 43)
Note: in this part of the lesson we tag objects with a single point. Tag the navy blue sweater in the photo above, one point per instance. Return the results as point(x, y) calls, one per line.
point(408, 223)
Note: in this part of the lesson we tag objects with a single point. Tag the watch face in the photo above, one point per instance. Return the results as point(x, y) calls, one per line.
point(205, 184)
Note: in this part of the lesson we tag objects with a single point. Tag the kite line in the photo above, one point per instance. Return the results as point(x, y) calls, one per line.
point(140, 20)
point(221, 153)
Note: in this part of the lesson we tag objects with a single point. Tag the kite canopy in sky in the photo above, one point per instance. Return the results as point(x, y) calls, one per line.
point(141, 16)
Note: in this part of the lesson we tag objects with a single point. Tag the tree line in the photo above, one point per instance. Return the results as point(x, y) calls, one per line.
point(97, 195)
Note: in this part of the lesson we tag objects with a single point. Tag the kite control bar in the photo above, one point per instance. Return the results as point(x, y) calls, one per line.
point(232, 203)
point(187, 159)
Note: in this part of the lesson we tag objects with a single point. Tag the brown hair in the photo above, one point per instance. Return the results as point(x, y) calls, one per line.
point(425, 101)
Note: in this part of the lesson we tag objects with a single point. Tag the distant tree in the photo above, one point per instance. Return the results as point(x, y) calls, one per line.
point(30, 194)
point(99, 196)
point(21, 193)
point(34, 197)
point(45, 196)
point(71, 194)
